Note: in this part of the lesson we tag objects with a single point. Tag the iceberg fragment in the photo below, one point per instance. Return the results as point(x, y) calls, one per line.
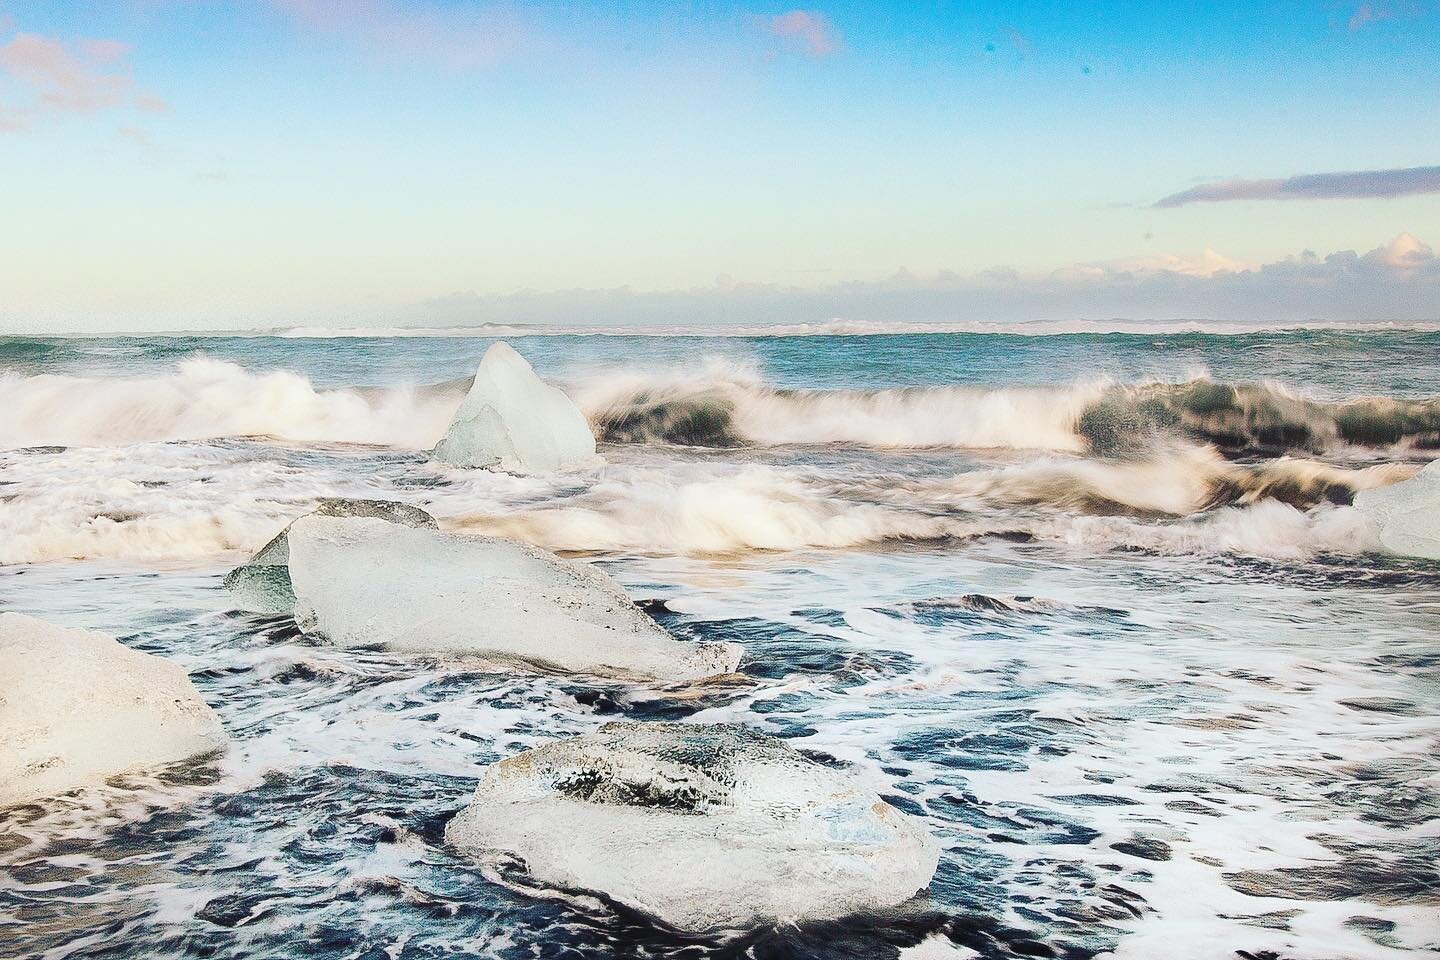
point(1407, 514)
point(705, 827)
point(361, 581)
point(514, 421)
point(78, 706)
point(263, 583)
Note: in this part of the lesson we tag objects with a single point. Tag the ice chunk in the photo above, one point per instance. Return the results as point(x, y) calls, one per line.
point(361, 581)
point(1407, 514)
point(514, 421)
point(705, 827)
point(263, 583)
point(77, 706)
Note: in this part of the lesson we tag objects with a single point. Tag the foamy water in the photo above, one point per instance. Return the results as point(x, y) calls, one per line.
point(1097, 608)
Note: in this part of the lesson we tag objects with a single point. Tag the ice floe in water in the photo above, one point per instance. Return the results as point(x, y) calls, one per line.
point(361, 581)
point(705, 827)
point(1407, 514)
point(78, 706)
point(263, 584)
point(512, 420)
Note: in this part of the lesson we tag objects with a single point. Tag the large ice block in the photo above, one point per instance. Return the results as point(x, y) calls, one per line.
point(1407, 514)
point(512, 420)
point(78, 706)
point(262, 584)
point(361, 581)
point(705, 827)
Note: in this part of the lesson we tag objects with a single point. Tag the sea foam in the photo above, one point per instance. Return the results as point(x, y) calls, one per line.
point(204, 398)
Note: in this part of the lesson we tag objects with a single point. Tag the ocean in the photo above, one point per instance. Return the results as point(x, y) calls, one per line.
point(1097, 607)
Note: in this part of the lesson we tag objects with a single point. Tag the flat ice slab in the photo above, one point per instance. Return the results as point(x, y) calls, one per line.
point(1407, 514)
point(512, 420)
point(263, 583)
point(705, 827)
point(77, 707)
point(361, 581)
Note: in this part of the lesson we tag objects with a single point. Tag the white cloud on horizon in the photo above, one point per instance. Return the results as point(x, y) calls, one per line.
point(1396, 281)
point(1399, 280)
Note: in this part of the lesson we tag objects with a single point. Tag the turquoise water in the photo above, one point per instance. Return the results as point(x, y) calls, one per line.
point(1097, 607)
point(1338, 363)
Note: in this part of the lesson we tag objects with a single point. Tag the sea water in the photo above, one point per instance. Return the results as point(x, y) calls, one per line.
point(1095, 606)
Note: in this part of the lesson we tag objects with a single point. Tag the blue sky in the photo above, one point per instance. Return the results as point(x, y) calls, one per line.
point(210, 163)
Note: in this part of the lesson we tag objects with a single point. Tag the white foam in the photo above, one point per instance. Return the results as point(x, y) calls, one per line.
point(514, 421)
point(1177, 480)
point(151, 502)
point(361, 581)
point(77, 707)
point(205, 398)
point(704, 827)
point(950, 416)
point(766, 508)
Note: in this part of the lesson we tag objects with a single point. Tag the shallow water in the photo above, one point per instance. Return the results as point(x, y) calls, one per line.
point(1144, 712)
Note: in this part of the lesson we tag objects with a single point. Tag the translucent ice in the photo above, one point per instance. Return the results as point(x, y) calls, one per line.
point(263, 584)
point(514, 421)
point(361, 581)
point(77, 707)
point(705, 827)
point(1407, 514)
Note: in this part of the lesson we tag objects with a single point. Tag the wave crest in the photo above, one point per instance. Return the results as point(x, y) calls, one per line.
point(720, 406)
point(1254, 417)
point(725, 408)
point(765, 509)
point(207, 399)
point(730, 408)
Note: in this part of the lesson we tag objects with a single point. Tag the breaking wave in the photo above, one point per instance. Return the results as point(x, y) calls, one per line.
point(1260, 417)
point(765, 509)
point(1172, 482)
point(203, 398)
point(206, 399)
point(729, 409)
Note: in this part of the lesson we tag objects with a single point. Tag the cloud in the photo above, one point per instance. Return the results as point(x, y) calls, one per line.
point(463, 36)
point(1371, 12)
point(1399, 280)
point(136, 135)
point(1018, 41)
point(52, 77)
point(1377, 11)
point(810, 29)
point(1405, 254)
point(1207, 264)
point(1365, 13)
point(1354, 184)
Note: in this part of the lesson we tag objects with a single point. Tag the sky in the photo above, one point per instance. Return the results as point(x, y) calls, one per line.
point(190, 164)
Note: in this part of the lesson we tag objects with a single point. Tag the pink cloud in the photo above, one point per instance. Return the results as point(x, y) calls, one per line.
point(135, 135)
point(1365, 13)
point(1378, 11)
point(104, 51)
point(53, 77)
point(809, 28)
point(457, 37)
